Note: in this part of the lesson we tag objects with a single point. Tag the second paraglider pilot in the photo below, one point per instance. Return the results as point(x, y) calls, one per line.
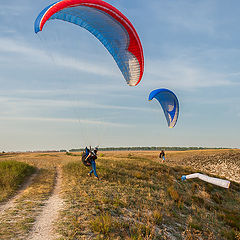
point(92, 156)
point(162, 155)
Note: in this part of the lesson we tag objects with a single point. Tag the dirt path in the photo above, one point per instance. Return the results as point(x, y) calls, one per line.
point(12, 202)
point(43, 228)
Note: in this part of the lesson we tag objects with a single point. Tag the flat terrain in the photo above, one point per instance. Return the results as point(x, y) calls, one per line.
point(138, 197)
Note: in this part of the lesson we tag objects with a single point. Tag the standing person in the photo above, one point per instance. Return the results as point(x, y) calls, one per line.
point(92, 156)
point(162, 155)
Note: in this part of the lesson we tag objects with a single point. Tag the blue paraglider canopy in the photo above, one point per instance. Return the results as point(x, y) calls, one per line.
point(169, 103)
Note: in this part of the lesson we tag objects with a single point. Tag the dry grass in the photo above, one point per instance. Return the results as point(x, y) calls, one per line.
point(16, 222)
point(12, 175)
point(137, 197)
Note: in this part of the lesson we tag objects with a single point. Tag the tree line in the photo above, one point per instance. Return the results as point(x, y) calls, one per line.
point(144, 149)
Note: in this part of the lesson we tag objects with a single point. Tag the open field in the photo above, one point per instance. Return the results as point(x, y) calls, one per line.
point(137, 197)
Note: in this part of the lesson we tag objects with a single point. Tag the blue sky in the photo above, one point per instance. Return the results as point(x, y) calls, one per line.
point(61, 89)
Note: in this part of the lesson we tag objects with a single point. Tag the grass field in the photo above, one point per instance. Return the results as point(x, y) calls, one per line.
point(137, 197)
point(12, 175)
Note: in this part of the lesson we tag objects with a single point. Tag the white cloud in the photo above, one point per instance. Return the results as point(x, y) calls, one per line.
point(65, 120)
point(6, 30)
point(180, 75)
point(213, 100)
point(40, 56)
point(187, 15)
point(23, 103)
point(14, 9)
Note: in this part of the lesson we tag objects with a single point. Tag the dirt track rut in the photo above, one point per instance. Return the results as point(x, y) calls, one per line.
point(11, 203)
point(43, 228)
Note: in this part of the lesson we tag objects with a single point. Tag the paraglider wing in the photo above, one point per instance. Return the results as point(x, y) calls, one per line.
point(84, 156)
point(169, 103)
point(108, 25)
point(216, 181)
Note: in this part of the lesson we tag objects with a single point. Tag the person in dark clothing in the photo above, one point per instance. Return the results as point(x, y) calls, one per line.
point(162, 155)
point(92, 156)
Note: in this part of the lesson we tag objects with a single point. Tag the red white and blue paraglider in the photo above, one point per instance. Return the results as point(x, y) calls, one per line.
point(108, 25)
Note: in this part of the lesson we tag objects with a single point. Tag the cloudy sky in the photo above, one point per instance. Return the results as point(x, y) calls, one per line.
point(61, 89)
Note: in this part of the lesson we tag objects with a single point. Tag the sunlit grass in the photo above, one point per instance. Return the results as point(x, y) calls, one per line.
point(17, 222)
point(140, 198)
point(137, 197)
point(12, 175)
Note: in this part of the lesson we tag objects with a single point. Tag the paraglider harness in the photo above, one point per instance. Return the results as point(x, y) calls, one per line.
point(87, 161)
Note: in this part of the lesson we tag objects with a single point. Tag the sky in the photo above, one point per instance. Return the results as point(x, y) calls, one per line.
point(61, 89)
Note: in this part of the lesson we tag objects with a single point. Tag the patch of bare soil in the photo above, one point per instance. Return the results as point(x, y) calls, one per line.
point(223, 164)
point(44, 226)
point(11, 202)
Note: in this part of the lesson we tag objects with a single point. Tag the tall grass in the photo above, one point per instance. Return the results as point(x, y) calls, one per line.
point(12, 175)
